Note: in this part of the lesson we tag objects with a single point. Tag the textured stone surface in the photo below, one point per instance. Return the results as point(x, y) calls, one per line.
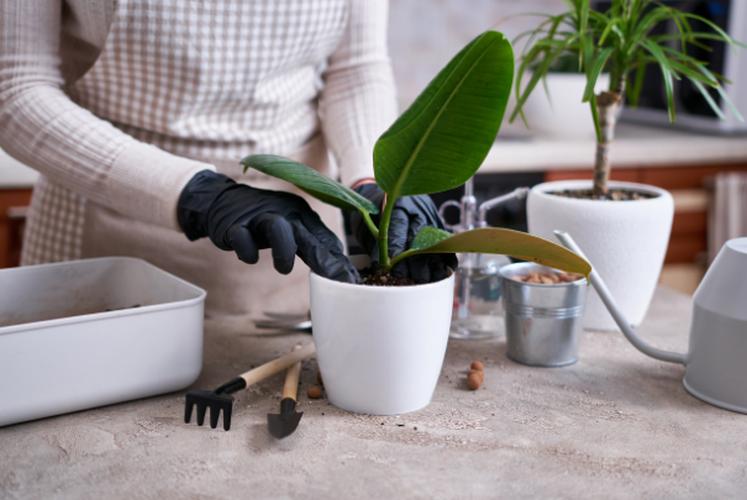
point(614, 425)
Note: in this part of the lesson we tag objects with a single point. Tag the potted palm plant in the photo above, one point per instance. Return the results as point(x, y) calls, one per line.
point(624, 226)
point(380, 348)
point(559, 111)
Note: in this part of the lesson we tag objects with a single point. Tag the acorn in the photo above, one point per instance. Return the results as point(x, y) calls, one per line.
point(474, 380)
point(314, 392)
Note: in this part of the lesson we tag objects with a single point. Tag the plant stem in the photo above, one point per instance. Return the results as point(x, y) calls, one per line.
point(398, 258)
point(386, 216)
point(607, 104)
point(370, 223)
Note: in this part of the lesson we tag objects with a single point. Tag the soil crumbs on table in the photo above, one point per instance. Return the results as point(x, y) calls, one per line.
point(612, 194)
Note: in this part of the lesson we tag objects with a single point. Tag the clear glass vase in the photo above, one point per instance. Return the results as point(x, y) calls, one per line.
point(478, 311)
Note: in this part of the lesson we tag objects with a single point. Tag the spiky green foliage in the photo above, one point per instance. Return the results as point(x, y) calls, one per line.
point(623, 41)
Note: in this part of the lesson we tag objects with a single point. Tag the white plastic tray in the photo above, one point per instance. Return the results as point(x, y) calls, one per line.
point(71, 339)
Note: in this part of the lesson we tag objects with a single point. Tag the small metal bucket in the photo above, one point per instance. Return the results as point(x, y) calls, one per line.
point(543, 322)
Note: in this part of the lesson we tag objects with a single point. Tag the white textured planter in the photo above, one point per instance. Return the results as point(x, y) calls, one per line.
point(625, 241)
point(380, 349)
point(559, 112)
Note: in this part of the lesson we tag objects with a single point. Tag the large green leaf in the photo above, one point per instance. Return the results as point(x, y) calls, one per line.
point(497, 240)
point(442, 138)
point(309, 180)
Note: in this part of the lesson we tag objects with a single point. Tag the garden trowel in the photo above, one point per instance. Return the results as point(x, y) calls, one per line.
point(283, 424)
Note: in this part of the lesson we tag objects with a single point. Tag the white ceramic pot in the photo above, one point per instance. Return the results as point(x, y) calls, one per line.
point(559, 111)
point(380, 349)
point(626, 241)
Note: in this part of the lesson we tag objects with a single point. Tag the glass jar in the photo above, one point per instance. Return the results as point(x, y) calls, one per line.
point(478, 310)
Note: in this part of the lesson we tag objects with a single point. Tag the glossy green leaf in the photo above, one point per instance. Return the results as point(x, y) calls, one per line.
point(708, 98)
point(594, 70)
point(310, 181)
point(442, 138)
point(499, 241)
point(666, 73)
point(429, 236)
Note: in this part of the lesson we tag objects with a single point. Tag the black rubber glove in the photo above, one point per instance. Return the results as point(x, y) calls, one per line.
point(410, 215)
point(244, 219)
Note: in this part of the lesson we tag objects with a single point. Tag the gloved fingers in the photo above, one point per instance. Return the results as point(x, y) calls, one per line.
point(418, 268)
point(325, 259)
point(451, 260)
point(277, 233)
point(243, 244)
point(442, 265)
point(319, 230)
point(398, 231)
point(416, 224)
point(426, 268)
point(428, 211)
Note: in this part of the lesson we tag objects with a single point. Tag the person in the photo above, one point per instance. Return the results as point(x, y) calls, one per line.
point(137, 112)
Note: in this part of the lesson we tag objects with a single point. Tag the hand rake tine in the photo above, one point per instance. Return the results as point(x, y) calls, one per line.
point(227, 417)
point(220, 399)
point(214, 416)
point(188, 407)
point(201, 408)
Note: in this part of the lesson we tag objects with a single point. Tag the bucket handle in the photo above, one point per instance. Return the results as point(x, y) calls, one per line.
point(622, 322)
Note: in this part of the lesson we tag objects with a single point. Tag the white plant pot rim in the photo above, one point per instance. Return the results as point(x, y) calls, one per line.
point(542, 191)
point(379, 289)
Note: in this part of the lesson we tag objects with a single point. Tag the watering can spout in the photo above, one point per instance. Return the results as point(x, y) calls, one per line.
point(617, 315)
point(715, 370)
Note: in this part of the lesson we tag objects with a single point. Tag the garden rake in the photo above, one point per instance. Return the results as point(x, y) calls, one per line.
point(220, 399)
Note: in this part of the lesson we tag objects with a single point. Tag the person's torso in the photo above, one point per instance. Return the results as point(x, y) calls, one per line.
point(206, 79)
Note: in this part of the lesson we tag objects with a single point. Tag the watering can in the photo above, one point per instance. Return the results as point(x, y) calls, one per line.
point(716, 363)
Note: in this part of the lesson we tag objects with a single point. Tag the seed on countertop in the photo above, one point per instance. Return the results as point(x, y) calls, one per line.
point(474, 380)
point(479, 373)
point(314, 392)
point(477, 365)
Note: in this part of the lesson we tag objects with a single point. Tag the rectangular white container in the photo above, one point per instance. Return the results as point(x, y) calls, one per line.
point(71, 337)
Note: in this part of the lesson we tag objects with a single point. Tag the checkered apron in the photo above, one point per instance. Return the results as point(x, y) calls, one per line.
point(209, 80)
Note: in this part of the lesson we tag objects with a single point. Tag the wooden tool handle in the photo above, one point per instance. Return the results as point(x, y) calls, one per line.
point(290, 388)
point(277, 365)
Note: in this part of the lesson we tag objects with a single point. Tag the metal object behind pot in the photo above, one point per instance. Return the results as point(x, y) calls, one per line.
point(543, 322)
point(478, 313)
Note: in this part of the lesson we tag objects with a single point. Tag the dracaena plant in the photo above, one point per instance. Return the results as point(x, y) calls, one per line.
point(436, 144)
point(623, 41)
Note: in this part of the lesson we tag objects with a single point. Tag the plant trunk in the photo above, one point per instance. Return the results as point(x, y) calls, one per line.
point(608, 107)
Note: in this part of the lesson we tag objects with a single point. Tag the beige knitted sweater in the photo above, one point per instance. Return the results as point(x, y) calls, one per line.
point(118, 104)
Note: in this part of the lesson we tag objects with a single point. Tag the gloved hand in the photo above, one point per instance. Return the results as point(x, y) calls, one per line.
point(244, 219)
point(410, 215)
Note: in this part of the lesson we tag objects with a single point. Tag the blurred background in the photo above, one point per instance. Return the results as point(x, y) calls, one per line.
point(421, 39)
point(702, 162)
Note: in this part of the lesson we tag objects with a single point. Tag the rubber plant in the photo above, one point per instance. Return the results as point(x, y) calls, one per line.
point(623, 40)
point(437, 144)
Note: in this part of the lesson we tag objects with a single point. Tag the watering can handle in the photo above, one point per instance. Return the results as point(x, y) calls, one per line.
point(609, 302)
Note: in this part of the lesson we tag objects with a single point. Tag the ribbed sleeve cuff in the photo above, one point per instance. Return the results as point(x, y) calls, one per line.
point(355, 164)
point(145, 183)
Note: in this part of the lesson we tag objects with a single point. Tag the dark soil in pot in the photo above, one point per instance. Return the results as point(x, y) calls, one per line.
point(378, 277)
point(620, 194)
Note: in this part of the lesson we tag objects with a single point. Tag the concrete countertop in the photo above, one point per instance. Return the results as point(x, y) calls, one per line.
point(616, 424)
